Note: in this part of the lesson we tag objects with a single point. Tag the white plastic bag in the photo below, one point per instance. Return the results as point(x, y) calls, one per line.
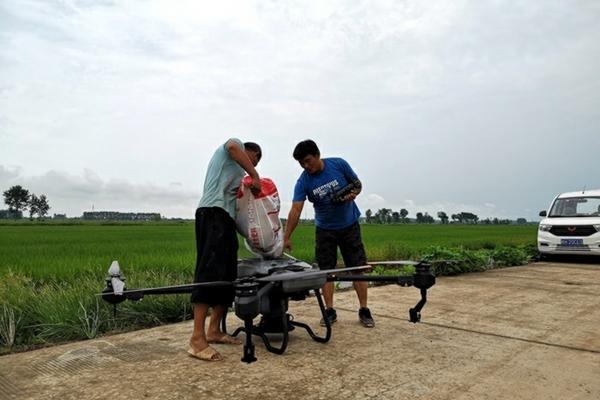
point(257, 218)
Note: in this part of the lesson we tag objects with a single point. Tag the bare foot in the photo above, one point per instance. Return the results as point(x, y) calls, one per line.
point(222, 338)
point(207, 354)
point(197, 345)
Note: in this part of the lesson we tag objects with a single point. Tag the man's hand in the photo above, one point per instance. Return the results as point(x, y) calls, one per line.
point(287, 245)
point(255, 186)
point(292, 222)
point(350, 196)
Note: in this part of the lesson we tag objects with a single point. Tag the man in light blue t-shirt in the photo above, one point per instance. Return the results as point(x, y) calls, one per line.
point(217, 243)
point(336, 219)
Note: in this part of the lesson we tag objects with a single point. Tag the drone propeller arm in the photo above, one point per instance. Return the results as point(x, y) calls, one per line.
point(189, 288)
point(287, 276)
point(113, 297)
point(265, 289)
point(422, 279)
point(400, 280)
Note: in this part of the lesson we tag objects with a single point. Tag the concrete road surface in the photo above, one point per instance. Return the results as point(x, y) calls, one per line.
point(529, 332)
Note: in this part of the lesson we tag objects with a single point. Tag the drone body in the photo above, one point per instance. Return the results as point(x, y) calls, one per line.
point(265, 287)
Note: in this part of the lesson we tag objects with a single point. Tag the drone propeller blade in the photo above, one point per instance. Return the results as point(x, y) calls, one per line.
point(188, 288)
point(442, 261)
point(285, 276)
point(118, 285)
point(114, 269)
point(410, 262)
point(398, 262)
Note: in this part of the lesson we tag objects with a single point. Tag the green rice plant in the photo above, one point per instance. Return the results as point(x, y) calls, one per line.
point(9, 324)
point(90, 320)
point(53, 314)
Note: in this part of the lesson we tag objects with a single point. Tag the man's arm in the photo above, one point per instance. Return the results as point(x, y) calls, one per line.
point(292, 222)
point(238, 154)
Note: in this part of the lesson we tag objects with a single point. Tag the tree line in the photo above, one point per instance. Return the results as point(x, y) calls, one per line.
point(18, 199)
point(389, 216)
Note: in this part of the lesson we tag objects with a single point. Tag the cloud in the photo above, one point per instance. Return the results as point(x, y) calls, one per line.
point(454, 103)
point(374, 200)
point(9, 174)
point(73, 194)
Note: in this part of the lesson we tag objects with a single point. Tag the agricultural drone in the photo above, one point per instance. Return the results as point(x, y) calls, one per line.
point(265, 287)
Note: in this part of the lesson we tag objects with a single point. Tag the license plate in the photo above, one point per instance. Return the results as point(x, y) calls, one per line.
point(571, 242)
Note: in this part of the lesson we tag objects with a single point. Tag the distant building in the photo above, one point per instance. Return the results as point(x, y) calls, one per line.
point(119, 216)
point(59, 216)
point(11, 214)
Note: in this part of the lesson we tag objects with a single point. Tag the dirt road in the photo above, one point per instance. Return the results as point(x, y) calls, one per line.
point(529, 332)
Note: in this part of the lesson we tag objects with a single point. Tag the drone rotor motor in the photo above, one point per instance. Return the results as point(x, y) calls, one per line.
point(108, 294)
point(424, 278)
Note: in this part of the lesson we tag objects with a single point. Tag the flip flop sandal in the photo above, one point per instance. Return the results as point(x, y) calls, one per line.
point(226, 339)
point(208, 354)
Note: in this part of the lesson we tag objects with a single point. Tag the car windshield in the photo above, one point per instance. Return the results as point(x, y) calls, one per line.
point(576, 207)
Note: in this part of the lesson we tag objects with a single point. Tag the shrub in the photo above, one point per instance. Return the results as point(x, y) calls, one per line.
point(458, 260)
point(509, 256)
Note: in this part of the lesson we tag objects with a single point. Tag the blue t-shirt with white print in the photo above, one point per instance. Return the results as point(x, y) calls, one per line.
point(319, 189)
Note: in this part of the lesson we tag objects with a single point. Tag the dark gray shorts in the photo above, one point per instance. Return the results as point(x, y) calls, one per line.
point(216, 247)
point(349, 242)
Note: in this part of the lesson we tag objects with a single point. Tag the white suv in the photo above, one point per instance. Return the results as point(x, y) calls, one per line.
point(572, 224)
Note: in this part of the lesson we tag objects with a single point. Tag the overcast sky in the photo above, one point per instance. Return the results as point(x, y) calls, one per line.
point(490, 107)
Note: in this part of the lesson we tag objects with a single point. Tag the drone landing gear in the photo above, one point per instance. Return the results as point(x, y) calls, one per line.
point(415, 313)
point(268, 326)
point(314, 336)
point(277, 322)
point(248, 356)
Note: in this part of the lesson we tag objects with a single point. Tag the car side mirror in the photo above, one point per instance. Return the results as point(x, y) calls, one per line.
point(543, 213)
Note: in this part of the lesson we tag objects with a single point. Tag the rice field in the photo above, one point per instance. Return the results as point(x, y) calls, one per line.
point(62, 251)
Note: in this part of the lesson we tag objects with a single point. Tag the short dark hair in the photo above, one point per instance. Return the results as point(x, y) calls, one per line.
point(306, 148)
point(255, 148)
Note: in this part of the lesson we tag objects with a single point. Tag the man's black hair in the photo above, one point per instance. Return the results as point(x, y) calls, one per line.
point(306, 148)
point(255, 148)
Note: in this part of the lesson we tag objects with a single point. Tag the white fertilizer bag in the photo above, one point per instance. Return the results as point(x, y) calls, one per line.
point(257, 218)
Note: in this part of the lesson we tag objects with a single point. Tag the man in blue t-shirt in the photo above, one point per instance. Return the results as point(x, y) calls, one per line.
point(336, 219)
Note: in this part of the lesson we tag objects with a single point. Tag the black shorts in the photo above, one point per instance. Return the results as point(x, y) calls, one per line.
point(216, 248)
point(348, 240)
